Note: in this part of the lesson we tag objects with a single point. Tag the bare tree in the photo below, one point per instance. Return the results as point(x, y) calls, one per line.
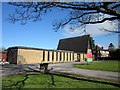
point(81, 13)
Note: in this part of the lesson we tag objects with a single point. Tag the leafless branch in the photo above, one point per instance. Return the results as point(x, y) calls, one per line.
point(107, 30)
point(87, 12)
point(103, 20)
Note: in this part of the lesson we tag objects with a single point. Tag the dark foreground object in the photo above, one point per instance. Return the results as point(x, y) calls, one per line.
point(44, 67)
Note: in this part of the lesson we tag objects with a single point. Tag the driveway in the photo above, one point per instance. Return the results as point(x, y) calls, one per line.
point(66, 68)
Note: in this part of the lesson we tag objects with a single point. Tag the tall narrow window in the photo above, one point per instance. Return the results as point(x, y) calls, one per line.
point(73, 56)
point(48, 56)
point(56, 56)
point(63, 56)
point(52, 55)
point(67, 56)
point(60, 56)
point(70, 56)
point(43, 55)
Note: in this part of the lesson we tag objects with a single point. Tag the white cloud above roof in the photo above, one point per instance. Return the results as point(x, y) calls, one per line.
point(94, 30)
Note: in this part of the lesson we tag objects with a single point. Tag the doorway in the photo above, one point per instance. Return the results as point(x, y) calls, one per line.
point(78, 57)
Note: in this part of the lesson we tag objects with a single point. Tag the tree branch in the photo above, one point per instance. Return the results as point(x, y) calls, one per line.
point(78, 17)
point(103, 20)
point(118, 5)
point(87, 12)
point(106, 30)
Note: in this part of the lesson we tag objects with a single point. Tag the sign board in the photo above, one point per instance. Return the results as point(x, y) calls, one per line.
point(89, 57)
point(89, 60)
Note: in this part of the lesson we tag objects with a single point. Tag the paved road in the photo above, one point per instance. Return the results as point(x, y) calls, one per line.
point(69, 69)
point(62, 68)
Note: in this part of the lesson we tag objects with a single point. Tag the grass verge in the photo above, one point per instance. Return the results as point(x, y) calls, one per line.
point(39, 80)
point(103, 65)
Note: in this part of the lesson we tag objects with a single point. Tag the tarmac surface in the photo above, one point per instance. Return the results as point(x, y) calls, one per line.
point(65, 68)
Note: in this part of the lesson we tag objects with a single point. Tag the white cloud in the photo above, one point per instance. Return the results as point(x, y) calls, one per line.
point(68, 33)
point(94, 30)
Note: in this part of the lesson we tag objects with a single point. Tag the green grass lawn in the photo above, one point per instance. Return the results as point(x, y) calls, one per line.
point(103, 65)
point(39, 80)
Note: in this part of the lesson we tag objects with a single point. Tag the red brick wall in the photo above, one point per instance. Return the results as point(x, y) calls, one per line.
point(4, 56)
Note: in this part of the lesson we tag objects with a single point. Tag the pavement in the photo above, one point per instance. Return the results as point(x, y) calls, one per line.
point(65, 68)
point(68, 68)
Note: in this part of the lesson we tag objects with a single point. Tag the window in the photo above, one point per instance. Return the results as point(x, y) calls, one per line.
point(70, 56)
point(67, 56)
point(78, 56)
point(48, 56)
point(52, 55)
point(73, 56)
point(43, 55)
point(60, 56)
point(63, 56)
point(56, 56)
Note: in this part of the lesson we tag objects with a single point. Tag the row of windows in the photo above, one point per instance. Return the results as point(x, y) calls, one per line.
point(71, 56)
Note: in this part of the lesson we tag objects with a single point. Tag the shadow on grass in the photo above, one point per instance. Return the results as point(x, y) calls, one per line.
point(82, 79)
point(20, 84)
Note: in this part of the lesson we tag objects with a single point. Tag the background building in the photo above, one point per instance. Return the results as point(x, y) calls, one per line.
point(3, 56)
point(28, 55)
point(80, 45)
point(68, 50)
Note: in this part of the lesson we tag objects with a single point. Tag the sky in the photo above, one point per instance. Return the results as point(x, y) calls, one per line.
point(41, 34)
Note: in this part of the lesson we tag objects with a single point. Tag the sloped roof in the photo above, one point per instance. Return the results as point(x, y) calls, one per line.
point(76, 44)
